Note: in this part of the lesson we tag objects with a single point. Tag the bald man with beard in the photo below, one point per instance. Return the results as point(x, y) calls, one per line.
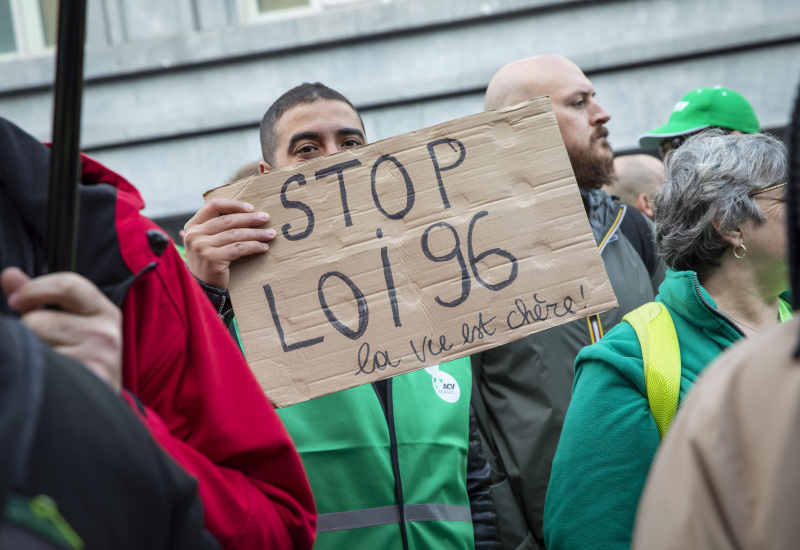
point(521, 390)
point(580, 118)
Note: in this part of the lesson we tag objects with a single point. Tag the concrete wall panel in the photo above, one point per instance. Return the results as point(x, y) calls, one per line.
point(176, 88)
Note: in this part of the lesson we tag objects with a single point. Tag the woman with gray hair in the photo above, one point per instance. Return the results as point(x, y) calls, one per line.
point(728, 475)
point(720, 229)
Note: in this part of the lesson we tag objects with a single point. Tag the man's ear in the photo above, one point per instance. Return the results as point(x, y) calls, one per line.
point(264, 167)
point(644, 205)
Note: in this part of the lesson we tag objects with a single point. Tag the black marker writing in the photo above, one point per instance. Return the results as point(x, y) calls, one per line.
point(436, 168)
point(473, 259)
point(479, 331)
point(339, 169)
point(538, 313)
point(429, 342)
point(380, 360)
point(409, 188)
point(389, 279)
point(277, 322)
point(454, 253)
point(300, 180)
point(361, 301)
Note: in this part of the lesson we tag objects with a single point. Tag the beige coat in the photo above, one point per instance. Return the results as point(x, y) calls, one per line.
point(728, 472)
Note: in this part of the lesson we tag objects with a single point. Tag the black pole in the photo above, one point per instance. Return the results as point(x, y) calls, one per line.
point(62, 197)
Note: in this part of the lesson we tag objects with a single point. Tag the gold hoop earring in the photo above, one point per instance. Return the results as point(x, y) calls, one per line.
point(744, 251)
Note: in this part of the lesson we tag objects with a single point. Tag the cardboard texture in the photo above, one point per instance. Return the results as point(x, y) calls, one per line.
point(413, 251)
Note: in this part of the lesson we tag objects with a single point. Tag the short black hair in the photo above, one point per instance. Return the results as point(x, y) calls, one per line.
point(302, 94)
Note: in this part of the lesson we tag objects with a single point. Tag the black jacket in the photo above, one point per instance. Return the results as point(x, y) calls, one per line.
point(66, 435)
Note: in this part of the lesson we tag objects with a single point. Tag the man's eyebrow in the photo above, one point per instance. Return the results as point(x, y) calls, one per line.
point(301, 136)
point(351, 131)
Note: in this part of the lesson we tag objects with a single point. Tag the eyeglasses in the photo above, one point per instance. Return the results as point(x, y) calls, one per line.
point(770, 188)
point(671, 144)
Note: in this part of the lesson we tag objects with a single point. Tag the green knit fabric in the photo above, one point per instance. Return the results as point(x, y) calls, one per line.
point(609, 437)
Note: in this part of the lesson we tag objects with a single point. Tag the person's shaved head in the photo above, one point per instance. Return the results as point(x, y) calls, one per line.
point(303, 94)
point(638, 178)
point(528, 78)
point(580, 118)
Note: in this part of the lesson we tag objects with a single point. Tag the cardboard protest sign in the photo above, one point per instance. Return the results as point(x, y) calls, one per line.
point(413, 251)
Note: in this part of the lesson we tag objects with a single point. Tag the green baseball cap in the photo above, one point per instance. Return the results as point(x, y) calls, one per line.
point(703, 108)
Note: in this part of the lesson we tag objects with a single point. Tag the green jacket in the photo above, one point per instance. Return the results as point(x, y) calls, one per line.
point(522, 389)
point(370, 458)
point(609, 437)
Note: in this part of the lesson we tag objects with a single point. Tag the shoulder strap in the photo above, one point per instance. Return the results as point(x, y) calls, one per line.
point(639, 232)
point(661, 356)
point(608, 237)
point(595, 324)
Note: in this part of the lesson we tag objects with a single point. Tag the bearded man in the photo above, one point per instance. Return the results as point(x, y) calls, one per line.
point(521, 390)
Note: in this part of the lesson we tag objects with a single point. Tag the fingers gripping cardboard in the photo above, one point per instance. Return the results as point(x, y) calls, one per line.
point(413, 251)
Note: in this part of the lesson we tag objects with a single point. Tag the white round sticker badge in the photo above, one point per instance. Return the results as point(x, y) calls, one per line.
point(445, 385)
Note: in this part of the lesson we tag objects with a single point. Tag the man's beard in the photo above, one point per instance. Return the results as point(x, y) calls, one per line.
point(592, 170)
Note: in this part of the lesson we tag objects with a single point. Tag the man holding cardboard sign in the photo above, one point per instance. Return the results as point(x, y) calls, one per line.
point(392, 464)
point(521, 390)
point(413, 251)
point(397, 256)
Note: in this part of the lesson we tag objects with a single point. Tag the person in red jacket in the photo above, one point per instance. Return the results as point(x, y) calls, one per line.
point(183, 373)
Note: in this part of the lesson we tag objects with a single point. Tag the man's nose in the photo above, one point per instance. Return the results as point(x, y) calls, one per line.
point(330, 147)
point(599, 115)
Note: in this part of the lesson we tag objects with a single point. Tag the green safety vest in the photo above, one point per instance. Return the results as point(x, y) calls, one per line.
point(661, 357)
point(345, 442)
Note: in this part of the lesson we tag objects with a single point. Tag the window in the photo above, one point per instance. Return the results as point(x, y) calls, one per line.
point(8, 39)
point(257, 9)
point(27, 26)
point(265, 6)
point(48, 10)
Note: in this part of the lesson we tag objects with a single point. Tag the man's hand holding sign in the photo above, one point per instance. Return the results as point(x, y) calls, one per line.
point(413, 251)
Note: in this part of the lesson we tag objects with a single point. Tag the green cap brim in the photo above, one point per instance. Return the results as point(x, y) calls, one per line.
point(653, 138)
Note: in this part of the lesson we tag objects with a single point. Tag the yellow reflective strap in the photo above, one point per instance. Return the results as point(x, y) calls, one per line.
point(661, 356)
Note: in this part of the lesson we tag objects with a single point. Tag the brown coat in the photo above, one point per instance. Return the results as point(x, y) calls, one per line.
point(728, 472)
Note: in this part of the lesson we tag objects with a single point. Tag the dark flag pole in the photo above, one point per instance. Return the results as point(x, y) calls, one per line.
point(62, 195)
